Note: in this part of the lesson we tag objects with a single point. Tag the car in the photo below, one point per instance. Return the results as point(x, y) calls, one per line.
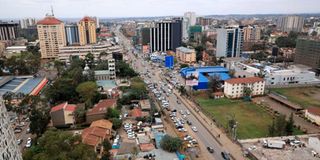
point(19, 141)
point(189, 123)
point(225, 155)
point(28, 130)
point(29, 139)
point(28, 145)
point(210, 149)
point(181, 112)
point(194, 128)
point(187, 112)
point(187, 138)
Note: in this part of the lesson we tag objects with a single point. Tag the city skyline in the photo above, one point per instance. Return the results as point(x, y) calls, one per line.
point(117, 9)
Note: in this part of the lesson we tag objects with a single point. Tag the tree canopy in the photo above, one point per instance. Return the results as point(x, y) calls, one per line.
point(289, 41)
point(87, 91)
point(170, 144)
point(124, 70)
point(54, 145)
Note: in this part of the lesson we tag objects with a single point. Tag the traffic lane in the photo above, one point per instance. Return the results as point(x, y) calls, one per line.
point(202, 134)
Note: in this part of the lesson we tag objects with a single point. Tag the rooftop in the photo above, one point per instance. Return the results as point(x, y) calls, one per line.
point(86, 18)
point(145, 104)
point(186, 50)
point(101, 72)
point(103, 123)
point(244, 80)
point(93, 135)
point(102, 106)
point(49, 20)
point(136, 112)
point(65, 106)
point(314, 110)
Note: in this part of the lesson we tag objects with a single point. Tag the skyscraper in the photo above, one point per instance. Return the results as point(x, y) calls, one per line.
point(87, 31)
point(229, 42)
point(27, 22)
point(291, 23)
point(8, 31)
point(192, 18)
point(72, 35)
point(251, 33)
point(51, 35)
point(166, 35)
point(308, 52)
point(9, 150)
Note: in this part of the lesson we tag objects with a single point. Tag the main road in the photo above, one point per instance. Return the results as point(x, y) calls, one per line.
point(204, 137)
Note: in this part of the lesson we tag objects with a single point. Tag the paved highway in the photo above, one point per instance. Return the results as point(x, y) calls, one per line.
point(203, 136)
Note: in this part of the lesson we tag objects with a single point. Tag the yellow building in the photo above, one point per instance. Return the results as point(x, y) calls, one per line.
point(251, 34)
point(87, 31)
point(186, 55)
point(51, 35)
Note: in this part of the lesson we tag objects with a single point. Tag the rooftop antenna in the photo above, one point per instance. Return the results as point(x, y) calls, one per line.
point(52, 11)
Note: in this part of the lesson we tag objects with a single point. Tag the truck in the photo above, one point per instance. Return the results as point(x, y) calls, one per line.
point(277, 144)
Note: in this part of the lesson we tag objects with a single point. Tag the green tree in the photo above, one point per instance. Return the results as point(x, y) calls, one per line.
point(106, 150)
point(213, 85)
point(199, 50)
point(182, 90)
point(272, 129)
point(56, 144)
point(39, 119)
point(112, 113)
point(184, 65)
point(247, 91)
point(89, 59)
point(59, 66)
point(80, 115)
point(116, 123)
point(124, 70)
point(290, 125)
point(170, 144)
point(87, 91)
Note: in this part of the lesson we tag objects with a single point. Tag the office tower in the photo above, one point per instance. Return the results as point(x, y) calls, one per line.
point(204, 21)
point(72, 35)
point(166, 35)
point(145, 36)
point(308, 52)
point(291, 23)
point(229, 42)
point(192, 18)
point(27, 22)
point(9, 149)
point(87, 31)
point(51, 35)
point(251, 33)
point(8, 31)
point(185, 29)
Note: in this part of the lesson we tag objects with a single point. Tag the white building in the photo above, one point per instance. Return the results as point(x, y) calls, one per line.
point(27, 22)
point(234, 87)
point(191, 16)
point(313, 114)
point(291, 23)
point(9, 150)
point(16, 49)
point(109, 74)
point(229, 42)
point(67, 52)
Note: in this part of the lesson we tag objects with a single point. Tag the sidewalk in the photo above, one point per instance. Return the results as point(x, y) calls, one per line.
point(233, 148)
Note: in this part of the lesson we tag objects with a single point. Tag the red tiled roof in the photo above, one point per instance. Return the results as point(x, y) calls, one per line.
point(94, 135)
point(65, 106)
point(102, 106)
point(102, 123)
point(49, 20)
point(39, 87)
point(244, 80)
point(314, 110)
point(86, 18)
point(136, 112)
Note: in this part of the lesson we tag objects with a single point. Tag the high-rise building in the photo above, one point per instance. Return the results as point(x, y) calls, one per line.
point(308, 52)
point(9, 149)
point(185, 29)
point(87, 31)
point(192, 18)
point(291, 23)
point(251, 33)
point(8, 31)
point(166, 35)
point(97, 21)
point(27, 22)
point(145, 36)
point(51, 35)
point(204, 21)
point(229, 42)
point(72, 35)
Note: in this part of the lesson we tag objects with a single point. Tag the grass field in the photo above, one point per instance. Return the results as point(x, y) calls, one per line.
point(252, 121)
point(306, 97)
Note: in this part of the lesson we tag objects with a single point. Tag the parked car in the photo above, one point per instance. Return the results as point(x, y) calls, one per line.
point(194, 128)
point(210, 149)
point(225, 155)
point(19, 141)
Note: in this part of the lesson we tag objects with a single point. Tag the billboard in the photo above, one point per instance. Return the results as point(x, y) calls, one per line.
point(192, 78)
point(169, 61)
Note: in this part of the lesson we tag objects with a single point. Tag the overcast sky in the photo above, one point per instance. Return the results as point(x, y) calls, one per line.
point(141, 8)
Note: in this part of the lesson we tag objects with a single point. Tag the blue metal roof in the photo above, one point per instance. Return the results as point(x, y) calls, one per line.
point(222, 76)
point(203, 78)
point(207, 69)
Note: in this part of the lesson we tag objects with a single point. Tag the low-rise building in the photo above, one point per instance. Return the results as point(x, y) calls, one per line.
point(97, 132)
point(145, 105)
point(234, 87)
point(99, 110)
point(63, 114)
point(16, 49)
point(313, 114)
point(186, 55)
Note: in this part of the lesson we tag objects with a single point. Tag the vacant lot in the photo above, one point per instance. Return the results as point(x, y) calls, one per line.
point(306, 97)
point(252, 121)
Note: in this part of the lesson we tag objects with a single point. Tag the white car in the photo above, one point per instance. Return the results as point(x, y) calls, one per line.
point(194, 128)
point(187, 111)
